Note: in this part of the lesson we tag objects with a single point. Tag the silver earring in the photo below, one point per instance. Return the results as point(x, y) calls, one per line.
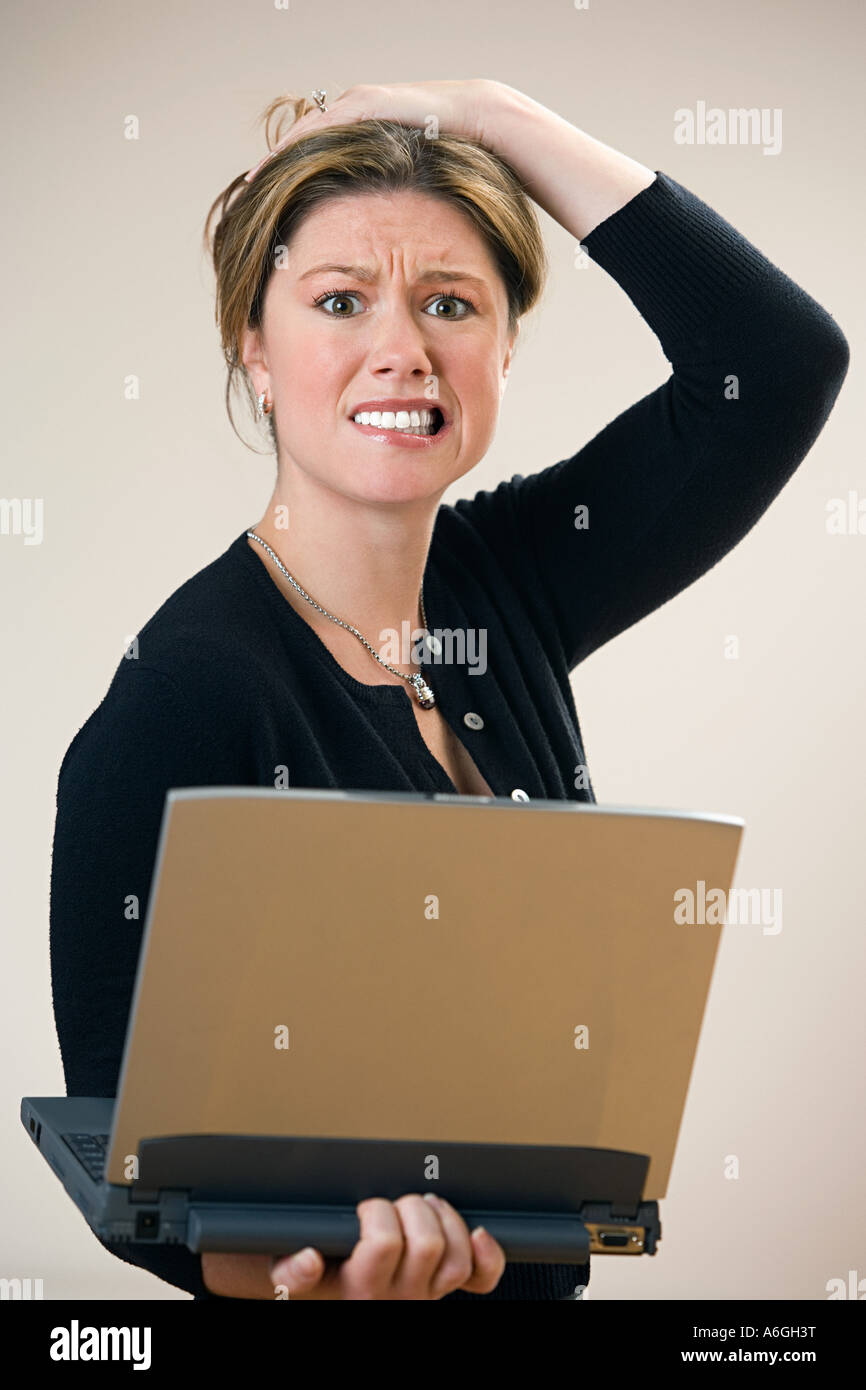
point(319, 98)
point(261, 410)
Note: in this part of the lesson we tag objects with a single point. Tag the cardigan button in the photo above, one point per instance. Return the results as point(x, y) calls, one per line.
point(473, 720)
point(519, 794)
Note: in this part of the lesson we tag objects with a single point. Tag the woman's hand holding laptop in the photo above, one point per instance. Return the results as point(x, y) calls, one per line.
point(414, 1248)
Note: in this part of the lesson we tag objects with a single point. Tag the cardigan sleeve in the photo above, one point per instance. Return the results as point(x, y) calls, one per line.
point(663, 492)
point(142, 740)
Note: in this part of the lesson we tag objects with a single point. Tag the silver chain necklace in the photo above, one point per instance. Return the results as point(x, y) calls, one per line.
point(426, 698)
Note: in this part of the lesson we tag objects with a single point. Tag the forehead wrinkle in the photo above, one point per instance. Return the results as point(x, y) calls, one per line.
point(441, 260)
point(427, 275)
point(457, 254)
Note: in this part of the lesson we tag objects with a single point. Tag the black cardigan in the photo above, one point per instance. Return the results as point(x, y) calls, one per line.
point(229, 683)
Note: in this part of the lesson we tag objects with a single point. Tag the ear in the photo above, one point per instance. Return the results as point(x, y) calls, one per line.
point(506, 366)
point(253, 358)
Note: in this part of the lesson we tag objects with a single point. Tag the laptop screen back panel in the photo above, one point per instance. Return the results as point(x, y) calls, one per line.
point(356, 967)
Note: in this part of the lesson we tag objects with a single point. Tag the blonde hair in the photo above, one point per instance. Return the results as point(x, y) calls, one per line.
point(373, 156)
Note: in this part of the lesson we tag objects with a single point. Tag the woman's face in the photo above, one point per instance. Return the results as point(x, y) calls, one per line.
point(393, 332)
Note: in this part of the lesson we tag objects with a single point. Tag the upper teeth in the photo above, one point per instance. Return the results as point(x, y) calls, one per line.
point(396, 420)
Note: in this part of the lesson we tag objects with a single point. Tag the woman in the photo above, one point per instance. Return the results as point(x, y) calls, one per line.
point(375, 268)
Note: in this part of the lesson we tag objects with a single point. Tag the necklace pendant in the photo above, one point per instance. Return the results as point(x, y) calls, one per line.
point(426, 698)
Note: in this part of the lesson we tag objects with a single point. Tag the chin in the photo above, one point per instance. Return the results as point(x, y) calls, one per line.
point(383, 486)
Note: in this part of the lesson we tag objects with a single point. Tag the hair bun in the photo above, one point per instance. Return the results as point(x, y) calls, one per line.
point(288, 110)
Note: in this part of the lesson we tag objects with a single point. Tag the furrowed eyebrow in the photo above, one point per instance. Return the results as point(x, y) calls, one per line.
point(360, 272)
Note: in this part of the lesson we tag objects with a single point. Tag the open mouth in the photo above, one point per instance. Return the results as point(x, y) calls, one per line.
point(438, 420)
point(421, 424)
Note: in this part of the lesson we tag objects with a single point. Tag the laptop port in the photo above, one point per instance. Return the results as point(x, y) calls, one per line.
point(146, 1225)
point(614, 1239)
point(619, 1240)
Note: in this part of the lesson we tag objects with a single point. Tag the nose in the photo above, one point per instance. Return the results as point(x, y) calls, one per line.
point(399, 341)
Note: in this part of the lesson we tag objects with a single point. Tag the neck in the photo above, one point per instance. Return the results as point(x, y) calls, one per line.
point(363, 562)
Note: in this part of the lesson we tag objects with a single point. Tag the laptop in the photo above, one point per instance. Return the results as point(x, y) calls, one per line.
point(342, 995)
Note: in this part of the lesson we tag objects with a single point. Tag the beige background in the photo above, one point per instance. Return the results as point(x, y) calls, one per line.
point(104, 277)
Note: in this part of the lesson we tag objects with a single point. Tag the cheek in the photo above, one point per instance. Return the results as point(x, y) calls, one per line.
point(474, 369)
point(479, 394)
point(480, 403)
point(311, 372)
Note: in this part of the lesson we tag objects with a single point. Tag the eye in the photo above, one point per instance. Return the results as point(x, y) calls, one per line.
point(342, 296)
point(456, 299)
point(338, 295)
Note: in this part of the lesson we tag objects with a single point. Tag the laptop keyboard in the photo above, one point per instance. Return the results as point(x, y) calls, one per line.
point(89, 1149)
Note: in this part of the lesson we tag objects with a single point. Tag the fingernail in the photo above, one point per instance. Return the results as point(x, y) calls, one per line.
point(479, 1230)
point(431, 1197)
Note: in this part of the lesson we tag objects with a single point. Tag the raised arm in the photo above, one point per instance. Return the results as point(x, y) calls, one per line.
point(676, 480)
